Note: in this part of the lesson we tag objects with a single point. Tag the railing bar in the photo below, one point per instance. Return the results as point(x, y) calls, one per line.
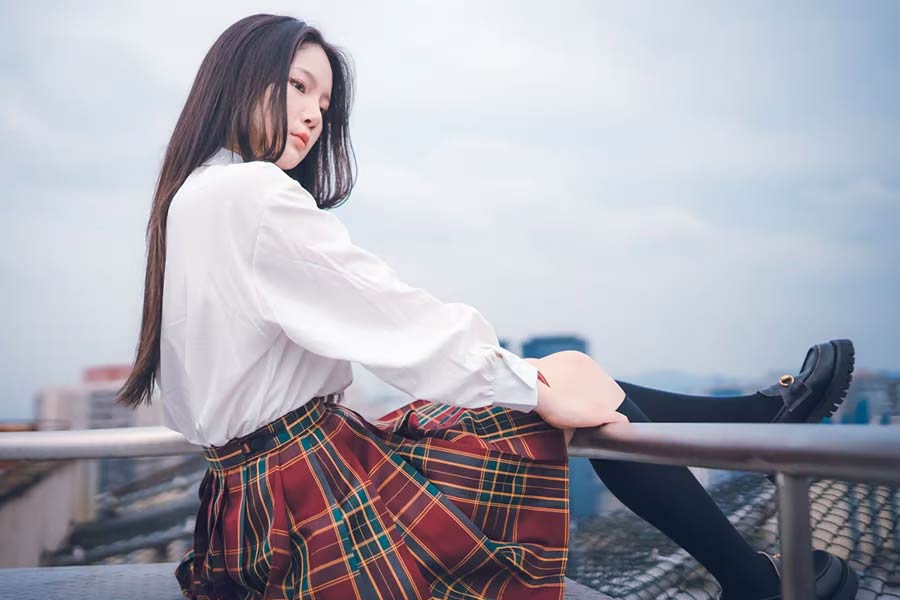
point(851, 453)
point(797, 581)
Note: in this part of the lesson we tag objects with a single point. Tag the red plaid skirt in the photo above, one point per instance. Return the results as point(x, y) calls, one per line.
point(430, 501)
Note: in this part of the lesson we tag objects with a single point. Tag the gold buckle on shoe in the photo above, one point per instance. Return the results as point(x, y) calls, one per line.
point(786, 380)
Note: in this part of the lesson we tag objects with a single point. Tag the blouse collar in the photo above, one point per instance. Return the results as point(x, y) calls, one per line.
point(223, 156)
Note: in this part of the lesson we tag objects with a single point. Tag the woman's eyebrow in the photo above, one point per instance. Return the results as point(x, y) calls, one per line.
point(313, 77)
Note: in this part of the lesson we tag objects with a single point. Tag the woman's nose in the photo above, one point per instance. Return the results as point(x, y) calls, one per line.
point(312, 116)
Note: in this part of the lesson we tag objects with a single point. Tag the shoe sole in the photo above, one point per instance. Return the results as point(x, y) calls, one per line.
point(846, 589)
point(849, 584)
point(845, 361)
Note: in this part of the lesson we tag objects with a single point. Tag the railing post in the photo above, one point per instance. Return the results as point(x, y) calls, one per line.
point(797, 578)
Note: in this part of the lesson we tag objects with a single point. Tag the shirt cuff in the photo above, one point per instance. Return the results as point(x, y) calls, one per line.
point(515, 384)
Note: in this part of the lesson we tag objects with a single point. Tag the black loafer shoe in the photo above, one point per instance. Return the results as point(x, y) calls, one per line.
point(819, 388)
point(834, 579)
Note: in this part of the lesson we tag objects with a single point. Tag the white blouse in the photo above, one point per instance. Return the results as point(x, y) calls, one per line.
point(266, 302)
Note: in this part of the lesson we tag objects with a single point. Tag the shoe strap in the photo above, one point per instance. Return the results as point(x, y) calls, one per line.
point(792, 391)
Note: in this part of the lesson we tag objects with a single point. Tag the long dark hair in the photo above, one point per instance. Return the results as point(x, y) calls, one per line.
point(250, 56)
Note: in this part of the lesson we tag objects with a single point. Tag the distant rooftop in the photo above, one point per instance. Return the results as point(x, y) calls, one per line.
point(622, 555)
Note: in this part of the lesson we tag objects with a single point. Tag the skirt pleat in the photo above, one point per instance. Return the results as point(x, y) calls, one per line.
point(429, 501)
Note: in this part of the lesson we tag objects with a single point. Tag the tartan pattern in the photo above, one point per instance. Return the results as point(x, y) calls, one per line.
point(275, 434)
point(429, 501)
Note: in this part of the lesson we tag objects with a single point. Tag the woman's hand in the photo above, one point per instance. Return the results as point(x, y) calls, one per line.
point(581, 393)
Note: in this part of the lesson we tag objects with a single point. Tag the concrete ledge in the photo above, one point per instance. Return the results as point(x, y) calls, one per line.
point(155, 581)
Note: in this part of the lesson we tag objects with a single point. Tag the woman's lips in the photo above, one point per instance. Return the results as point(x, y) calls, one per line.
point(299, 139)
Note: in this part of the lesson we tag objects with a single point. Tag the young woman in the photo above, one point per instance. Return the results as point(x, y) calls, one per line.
point(257, 302)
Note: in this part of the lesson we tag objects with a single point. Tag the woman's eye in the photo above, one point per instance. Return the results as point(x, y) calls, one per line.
point(302, 87)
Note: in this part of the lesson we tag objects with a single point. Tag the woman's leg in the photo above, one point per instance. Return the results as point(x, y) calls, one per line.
point(817, 390)
point(671, 499)
point(668, 407)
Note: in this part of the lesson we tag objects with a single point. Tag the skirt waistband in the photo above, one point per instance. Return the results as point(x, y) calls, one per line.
point(269, 436)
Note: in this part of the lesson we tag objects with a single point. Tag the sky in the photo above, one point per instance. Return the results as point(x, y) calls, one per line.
point(692, 186)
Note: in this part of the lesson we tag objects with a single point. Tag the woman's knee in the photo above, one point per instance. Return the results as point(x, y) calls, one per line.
point(580, 365)
point(578, 359)
point(576, 356)
point(569, 358)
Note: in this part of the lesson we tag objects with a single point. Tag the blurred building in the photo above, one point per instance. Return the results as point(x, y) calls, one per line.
point(41, 501)
point(541, 346)
point(873, 399)
point(91, 404)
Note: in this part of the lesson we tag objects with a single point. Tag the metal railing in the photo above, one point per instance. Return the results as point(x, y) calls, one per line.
point(795, 453)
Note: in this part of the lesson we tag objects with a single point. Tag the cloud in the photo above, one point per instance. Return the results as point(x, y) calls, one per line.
point(705, 189)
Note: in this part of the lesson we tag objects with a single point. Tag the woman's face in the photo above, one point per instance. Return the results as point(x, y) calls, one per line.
point(308, 94)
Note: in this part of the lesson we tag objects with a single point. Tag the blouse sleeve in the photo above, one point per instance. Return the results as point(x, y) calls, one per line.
point(342, 302)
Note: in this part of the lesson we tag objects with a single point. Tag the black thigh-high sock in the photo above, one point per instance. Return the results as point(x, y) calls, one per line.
point(669, 407)
point(671, 499)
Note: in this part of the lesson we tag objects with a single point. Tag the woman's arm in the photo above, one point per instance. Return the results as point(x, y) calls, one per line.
point(340, 301)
